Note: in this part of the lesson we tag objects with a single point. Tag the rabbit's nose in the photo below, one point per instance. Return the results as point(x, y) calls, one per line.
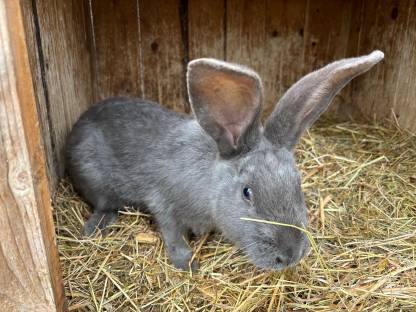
point(281, 261)
point(293, 253)
point(286, 257)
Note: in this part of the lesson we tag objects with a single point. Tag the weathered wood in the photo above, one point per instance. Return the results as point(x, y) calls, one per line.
point(206, 29)
point(388, 90)
point(29, 264)
point(63, 34)
point(36, 65)
point(163, 52)
point(326, 33)
point(284, 48)
point(246, 36)
point(116, 48)
point(247, 40)
point(404, 104)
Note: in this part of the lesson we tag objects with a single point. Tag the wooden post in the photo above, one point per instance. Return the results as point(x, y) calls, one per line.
point(30, 278)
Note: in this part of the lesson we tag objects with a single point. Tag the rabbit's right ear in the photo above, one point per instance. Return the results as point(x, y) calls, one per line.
point(308, 98)
point(226, 100)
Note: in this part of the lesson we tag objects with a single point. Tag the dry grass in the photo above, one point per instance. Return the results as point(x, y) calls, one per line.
point(360, 184)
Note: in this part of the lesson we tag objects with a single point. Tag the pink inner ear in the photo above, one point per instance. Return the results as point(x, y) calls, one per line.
point(233, 132)
point(232, 100)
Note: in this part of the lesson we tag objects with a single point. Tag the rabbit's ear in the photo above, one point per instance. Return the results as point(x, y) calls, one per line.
point(308, 98)
point(226, 100)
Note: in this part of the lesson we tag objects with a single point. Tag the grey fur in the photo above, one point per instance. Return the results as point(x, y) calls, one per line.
point(126, 151)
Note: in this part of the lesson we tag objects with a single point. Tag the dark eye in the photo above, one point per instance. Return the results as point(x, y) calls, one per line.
point(248, 193)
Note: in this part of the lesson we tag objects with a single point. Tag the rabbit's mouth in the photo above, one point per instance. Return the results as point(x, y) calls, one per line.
point(270, 256)
point(266, 261)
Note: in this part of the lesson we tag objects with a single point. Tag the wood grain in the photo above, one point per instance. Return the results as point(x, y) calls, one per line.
point(207, 29)
point(284, 48)
point(404, 104)
point(246, 38)
point(162, 53)
point(36, 65)
point(64, 33)
point(116, 48)
point(29, 264)
point(327, 25)
point(246, 33)
point(326, 34)
point(388, 90)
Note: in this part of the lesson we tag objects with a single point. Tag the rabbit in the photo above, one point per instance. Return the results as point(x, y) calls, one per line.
point(207, 172)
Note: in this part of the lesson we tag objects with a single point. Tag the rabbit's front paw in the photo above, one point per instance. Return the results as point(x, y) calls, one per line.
point(98, 220)
point(181, 257)
point(178, 249)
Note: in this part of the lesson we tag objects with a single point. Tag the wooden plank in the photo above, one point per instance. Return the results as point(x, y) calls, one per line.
point(404, 92)
point(29, 264)
point(246, 37)
point(388, 90)
point(36, 65)
point(327, 26)
point(284, 48)
point(246, 33)
point(116, 48)
point(326, 34)
point(163, 52)
point(64, 34)
point(207, 38)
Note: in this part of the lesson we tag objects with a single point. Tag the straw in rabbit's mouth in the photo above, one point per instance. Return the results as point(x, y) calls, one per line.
point(308, 234)
point(304, 252)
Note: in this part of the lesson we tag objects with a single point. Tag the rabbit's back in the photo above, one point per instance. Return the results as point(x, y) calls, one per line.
point(124, 147)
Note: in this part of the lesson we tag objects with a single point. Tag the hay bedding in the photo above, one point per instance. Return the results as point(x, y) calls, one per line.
point(360, 184)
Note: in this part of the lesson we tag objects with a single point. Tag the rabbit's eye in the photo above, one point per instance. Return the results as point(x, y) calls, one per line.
point(248, 193)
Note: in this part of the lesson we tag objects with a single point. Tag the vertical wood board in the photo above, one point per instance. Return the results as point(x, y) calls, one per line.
point(246, 36)
point(162, 53)
point(64, 37)
point(326, 39)
point(29, 271)
point(283, 49)
point(387, 91)
point(116, 48)
point(207, 28)
point(36, 65)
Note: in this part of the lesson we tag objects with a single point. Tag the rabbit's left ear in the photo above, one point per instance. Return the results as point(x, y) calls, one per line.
point(308, 98)
point(226, 99)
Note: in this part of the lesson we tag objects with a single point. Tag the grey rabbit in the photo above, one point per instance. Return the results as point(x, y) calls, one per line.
point(206, 172)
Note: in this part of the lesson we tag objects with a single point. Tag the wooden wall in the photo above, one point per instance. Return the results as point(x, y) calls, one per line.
point(86, 50)
point(30, 278)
